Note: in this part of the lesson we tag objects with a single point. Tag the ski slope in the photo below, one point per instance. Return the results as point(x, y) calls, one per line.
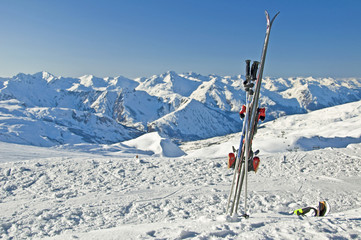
point(132, 190)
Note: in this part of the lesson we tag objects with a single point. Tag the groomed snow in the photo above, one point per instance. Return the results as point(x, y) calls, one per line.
point(97, 192)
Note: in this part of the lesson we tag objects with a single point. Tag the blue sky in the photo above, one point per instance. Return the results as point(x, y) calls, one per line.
point(137, 38)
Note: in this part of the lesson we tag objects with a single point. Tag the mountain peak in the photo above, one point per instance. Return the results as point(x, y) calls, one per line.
point(92, 81)
point(171, 72)
point(169, 76)
point(45, 75)
point(37, 77)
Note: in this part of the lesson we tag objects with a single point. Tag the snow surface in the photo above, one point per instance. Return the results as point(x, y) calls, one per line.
point(104, 191)
point(156, 145)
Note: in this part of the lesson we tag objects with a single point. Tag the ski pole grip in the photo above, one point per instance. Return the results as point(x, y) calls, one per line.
point(254, 70)
point(248, 68)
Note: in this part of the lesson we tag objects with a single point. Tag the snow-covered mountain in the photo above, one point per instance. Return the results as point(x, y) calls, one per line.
point(45, 110)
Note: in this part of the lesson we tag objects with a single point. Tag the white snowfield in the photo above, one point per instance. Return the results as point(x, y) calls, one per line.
point(132, 190)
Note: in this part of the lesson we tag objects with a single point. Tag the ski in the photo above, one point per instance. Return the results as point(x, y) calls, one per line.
point(251, 115)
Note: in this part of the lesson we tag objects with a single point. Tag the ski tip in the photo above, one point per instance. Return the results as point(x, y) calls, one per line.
point(268, 17)
point(276, 15)
point(267, 14)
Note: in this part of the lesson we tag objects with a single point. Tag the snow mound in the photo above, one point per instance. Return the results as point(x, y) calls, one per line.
point(334, 127)
point(153, 142)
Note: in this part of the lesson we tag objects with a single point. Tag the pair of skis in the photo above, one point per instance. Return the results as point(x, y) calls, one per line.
point(252, 86)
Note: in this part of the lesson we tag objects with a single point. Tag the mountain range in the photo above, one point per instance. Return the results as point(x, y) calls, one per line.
point(45, 110)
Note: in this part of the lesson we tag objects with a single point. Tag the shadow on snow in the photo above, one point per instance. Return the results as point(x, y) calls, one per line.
point(318, 142)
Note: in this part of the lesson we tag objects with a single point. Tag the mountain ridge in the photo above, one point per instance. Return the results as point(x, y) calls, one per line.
point(184, 107)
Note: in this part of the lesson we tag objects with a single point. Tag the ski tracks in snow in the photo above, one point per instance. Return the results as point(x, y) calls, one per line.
point(177, 198)
point(52, 196)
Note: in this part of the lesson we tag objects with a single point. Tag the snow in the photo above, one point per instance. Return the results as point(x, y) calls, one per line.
point(169, 84)
point(159, 146)
point(135, 190)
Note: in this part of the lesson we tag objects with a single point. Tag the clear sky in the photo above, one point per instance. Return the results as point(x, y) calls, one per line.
point(136, 38)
